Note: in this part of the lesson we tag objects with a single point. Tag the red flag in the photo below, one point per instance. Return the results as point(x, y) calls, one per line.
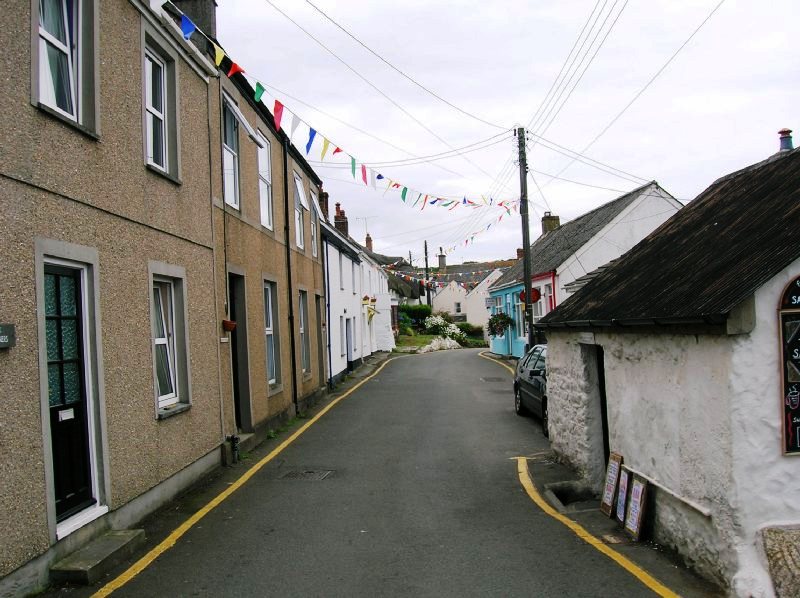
point(337, 150)
point(235, 68)
point(278, 115)
point(364, 173)
point(396, 185)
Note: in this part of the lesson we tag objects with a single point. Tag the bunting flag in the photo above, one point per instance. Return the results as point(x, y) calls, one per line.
point(325, 144)
point(364, 173)
point(403, 193)
point(372, 180)
point(259, 92)
point(187, 27)
point(353, 166)
point(337, 150)
point(311, 134)
point(293, 128)
point(424, 202)
point(235, 68)
point(416, 201)
point(278, 113)
point(219, 54)
point(379, 177)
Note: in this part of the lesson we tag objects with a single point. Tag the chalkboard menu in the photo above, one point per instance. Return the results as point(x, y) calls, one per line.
point(636, 505)
point(610, 486)
point(790, 366)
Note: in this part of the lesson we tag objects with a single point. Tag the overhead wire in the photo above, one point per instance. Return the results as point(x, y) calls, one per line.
point(400, 72)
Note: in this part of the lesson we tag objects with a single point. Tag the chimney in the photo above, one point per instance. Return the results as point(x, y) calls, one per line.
point(442, 259)
point(340, 220)
point(550, 222)
point(368, 242)
point(323, 203)
point(203, 13)
point(786, 140)
point(520, 253)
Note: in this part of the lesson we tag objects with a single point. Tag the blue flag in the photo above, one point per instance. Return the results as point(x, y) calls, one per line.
point(311, 134)
point(187, 27)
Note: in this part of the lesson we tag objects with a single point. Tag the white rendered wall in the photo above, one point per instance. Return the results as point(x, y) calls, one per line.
point(475, 302)
point(445, 300)
point(634, 223)
point(343, 302)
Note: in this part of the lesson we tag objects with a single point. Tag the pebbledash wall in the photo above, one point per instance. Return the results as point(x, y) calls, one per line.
point(700, 414)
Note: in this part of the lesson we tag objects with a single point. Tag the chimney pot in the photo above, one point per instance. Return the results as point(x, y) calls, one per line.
point(338, 208)
point(550, 222)
point(368, 242)
point(520, 253)
point(786, 140)
point(323, 203)
point(442, 259)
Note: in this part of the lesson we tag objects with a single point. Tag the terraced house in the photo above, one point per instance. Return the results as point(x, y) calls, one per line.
point(146, 206)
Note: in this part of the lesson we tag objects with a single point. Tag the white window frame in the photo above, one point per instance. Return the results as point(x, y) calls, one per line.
point(300, 203)
point(341, 271)
point(314, 224)
point(230, 154)
point(353, 275)
point(72, 33)
point(342, 334)
point(457, 307)
point(265, 181)
point(152, 112)
point(162, 286)
point(305, 349)
point(537, 307)
point(271, 337)
point(519, 316)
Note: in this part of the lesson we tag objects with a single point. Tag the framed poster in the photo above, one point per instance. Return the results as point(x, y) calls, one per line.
point(636, 506)
point(610, 486)
point(790, 367)
point(622, 495)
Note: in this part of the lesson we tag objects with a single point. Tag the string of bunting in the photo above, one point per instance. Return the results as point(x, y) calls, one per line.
point(431, 282)
point(359, 170)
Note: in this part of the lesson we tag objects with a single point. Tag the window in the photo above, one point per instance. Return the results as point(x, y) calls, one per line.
point(548, 298)
point(343, 340)
point(519, 317)
point(458, 307)
point(537, 307)
point(305, 348)
point(341, 271)
point(265, 181)
point(300, 203)
point(270, 329)
point(230, 156)
point(155, 109)
point(314, 222)
point(353, 276)
point(170, 339)
point(65, 59)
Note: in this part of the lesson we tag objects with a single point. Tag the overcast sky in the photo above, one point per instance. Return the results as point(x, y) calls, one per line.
point(716, 108)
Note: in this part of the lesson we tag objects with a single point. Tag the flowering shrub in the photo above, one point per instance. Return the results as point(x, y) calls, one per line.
point(498, 324)
point(438, 325)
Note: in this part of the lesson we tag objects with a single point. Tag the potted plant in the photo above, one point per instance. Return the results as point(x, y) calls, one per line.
point(498, 323)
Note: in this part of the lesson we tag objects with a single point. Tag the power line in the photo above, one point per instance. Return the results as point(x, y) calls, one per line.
point(397, 70)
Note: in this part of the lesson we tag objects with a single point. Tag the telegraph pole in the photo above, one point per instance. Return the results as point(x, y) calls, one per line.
point(526, 241)
point(427, 283)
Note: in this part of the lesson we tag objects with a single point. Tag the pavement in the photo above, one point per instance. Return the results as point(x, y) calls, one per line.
point(404, 481)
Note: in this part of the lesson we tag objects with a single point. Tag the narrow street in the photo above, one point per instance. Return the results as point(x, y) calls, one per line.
point(423, 500)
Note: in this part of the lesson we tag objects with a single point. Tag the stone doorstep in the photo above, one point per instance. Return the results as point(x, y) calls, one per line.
point(88, 564)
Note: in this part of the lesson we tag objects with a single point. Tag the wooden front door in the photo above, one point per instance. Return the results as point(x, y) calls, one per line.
point(66, 382)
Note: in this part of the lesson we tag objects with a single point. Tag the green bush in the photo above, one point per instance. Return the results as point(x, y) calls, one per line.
point(470, 329)
point(444, 315)
point(416, 313)
point(474, 343)
point(407, 330)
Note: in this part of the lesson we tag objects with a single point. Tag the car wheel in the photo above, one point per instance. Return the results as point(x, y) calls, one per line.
point(518, 407)
point(545, 419)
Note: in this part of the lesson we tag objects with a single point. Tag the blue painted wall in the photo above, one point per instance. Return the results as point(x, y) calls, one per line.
point(512, 343)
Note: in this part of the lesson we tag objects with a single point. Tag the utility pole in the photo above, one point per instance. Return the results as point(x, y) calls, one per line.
point(409, 258)
point(427, 283)
point(526, 241)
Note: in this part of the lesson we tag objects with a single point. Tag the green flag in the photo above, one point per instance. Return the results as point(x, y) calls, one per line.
point(403, 194)
point(259, 92)
point(353, 165)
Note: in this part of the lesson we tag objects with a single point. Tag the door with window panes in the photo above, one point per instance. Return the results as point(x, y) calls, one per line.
point(67, 393)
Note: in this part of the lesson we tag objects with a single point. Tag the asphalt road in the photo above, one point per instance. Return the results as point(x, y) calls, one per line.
point(423, 500)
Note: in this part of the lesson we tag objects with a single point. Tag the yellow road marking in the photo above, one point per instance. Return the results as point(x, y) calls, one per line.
point(497, 361)
point(631, 567)
point(172, 539)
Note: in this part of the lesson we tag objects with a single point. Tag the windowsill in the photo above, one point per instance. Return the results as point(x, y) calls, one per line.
point(274, 389)
point(163, 173)
point(77, 521)
point(306, 376)
point(226, 204)
point(68, 121)
point(175, 409)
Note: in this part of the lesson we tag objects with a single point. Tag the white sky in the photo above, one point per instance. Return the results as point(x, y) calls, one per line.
point(715, 109)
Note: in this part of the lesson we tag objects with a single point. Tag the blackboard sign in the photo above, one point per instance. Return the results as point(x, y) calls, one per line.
point(610, 487)
point(8, 336)
point(790, 366)
point(636, 505)
point(622, 495)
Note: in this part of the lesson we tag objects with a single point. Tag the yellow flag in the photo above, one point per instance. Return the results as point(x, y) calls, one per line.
point(325, 144)
point(219, 54)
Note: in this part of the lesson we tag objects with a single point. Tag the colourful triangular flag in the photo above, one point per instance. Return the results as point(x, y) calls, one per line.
point(337, 150)
point(325, 144)
point(219, 54)
point(278, 112)
point(235, 68)
point(372, 178)
point(403, 193)
point(424, 202)
point(379, 177)
point(259, 92)
point(353, 166)
point(364, 173)
point(311, 134)
point(187, 27)
point(295, 123)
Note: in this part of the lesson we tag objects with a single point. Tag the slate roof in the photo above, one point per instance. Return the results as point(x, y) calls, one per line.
point(470, 274)
point(706, 259)
point(404, 288)
point(550, 250)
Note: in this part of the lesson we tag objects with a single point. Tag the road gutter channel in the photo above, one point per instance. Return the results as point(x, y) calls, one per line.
point(528, 484)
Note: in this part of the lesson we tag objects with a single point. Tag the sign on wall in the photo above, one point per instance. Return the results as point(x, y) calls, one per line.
point(622, 495)
point(790, 366)
point(636, 506)
point(8, 336)
point(610, 487)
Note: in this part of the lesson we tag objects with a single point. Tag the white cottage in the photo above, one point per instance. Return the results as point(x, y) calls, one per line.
point(684, 357)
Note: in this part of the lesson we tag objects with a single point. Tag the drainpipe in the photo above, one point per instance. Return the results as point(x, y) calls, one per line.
point(327, 273)
point(290, 290)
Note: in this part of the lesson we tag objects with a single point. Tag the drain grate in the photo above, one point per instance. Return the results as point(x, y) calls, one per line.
point(493, 379)
point(309, 475)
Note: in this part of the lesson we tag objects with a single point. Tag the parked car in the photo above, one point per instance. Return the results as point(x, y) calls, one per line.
point(530, 385)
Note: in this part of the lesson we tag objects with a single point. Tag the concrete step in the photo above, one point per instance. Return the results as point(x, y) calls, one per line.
point(90, 563)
